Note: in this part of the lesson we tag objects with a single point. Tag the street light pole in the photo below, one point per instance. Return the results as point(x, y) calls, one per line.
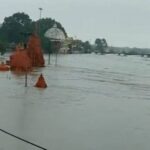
point(49, 53)
point(40, 12)
point(40, 9)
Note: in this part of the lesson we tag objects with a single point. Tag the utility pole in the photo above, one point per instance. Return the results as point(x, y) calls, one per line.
point(40, 9)
point(21, 139)
point(49, 53)
point(26, 79)
point(40, 12)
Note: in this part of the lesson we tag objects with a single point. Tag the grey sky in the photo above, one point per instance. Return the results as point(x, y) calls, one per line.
point(121, 22)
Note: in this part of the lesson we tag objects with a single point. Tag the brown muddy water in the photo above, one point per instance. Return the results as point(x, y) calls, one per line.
point(92, 102)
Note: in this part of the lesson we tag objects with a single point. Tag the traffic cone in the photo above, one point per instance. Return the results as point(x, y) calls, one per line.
point(41, 82)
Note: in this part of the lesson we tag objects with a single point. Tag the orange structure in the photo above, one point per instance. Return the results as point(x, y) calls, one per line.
point(20, 61)
point(41, 82)
point(34, 51)
point(4, 67)
point(23, 59)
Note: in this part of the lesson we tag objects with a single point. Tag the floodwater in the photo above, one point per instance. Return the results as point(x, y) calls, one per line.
point(93, 102)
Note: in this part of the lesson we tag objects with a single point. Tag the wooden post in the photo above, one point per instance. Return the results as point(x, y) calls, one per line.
point(56, 59)
point(49, 58)
point(49, 53)
point(57, 46)
point(26, 79)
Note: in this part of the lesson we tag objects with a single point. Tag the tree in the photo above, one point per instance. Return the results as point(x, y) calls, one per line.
point(2, 48)
point(19, 26)
point(101, 45)
point(14, 25)
point(87, 47)
point(45, 24)
point(104, 42)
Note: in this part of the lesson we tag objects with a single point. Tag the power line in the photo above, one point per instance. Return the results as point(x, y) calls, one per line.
point(21, 139)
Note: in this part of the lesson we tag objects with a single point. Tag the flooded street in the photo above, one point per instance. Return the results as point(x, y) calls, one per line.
point(93, 102)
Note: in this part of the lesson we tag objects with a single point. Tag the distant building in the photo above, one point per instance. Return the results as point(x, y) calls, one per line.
point(66, 45)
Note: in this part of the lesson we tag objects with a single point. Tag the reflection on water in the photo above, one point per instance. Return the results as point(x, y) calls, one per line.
point(92, 102)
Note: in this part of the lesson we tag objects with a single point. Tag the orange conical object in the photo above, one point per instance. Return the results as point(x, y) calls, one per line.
point(41, 82)
point(34, 51)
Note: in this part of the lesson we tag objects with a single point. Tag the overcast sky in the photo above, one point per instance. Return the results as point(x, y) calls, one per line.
point(121, 22)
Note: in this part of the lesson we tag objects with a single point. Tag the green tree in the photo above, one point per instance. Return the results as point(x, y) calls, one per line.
point(104, 42)
point(43, 25)
point(14, 25)
point(2, 48)
point(17, 28)
point(101, 45)
point(87, 47)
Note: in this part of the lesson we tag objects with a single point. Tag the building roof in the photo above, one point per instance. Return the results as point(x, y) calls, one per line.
point(55, 34)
